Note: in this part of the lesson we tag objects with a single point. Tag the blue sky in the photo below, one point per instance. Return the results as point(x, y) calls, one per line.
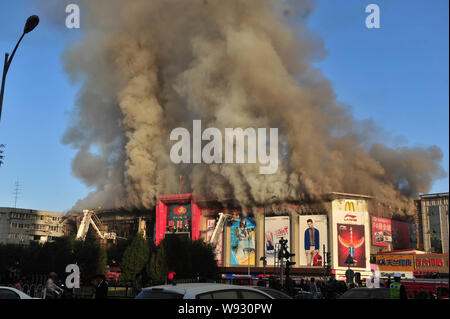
point(397, 75)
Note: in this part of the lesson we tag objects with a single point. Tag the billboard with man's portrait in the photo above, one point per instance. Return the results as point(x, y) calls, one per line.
point(313, 232)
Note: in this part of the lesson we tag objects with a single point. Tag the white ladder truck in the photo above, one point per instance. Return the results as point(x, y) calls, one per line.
point(90, 218)
point(219, 227)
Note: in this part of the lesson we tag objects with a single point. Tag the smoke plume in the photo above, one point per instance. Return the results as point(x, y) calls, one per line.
point(147, 67)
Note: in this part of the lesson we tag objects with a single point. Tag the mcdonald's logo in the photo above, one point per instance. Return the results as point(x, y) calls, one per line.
point(350, 207)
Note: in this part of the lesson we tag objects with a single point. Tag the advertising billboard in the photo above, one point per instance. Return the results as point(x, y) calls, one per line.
point(395, 263)
point(275, 228)
point(210, 225)
point(313, 233)
point(381, 232)
point(350, 234)
point(243, 242)
point(179, 216)
point(351, 242)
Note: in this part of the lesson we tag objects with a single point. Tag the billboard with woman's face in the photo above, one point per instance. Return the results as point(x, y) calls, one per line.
point(243, 242)
point(276, 228)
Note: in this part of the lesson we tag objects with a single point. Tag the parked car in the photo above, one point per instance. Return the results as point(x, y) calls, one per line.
point(206, 291)
point(12, 293)
point(273, 292)
point(366, 293)
point(302, 294)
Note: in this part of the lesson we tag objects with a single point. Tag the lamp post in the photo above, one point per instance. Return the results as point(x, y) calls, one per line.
point(249, 252)
point(30, 24)
point(264, 231)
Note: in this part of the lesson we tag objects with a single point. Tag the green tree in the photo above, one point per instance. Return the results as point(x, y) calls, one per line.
point(102, 261)
point(203, 259)
point(157, 269)
point(187, 258)
point(135, 258)
point(115, 252)
point(90, 258)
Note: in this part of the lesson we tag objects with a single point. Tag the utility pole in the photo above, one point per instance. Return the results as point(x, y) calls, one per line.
point(264, 257)
point(248, 249)
point(324, 259)
point(16, 192)
point(285, 254)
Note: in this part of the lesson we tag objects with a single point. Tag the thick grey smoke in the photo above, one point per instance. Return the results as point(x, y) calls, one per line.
point(147, 67)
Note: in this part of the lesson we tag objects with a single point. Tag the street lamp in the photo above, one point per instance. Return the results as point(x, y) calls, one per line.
point(30, 24)
point(264, 231)
point(249, 251)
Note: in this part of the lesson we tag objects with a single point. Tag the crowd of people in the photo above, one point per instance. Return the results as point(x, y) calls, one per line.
point(308, 288)
point(330, 288)
point(305, 288)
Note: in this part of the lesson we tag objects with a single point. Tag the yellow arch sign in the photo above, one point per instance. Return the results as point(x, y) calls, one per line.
point(350, 207)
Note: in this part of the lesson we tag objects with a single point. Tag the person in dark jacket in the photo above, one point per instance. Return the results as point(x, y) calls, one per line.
point(261, 282)
point(101, 291)
point(137, 285)
point(389, 282)
point(312, 242)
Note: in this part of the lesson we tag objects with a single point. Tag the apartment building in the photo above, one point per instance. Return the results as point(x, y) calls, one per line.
point(22, 226)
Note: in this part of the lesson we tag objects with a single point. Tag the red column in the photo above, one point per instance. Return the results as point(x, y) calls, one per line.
point(161, 221)
point(195, 221)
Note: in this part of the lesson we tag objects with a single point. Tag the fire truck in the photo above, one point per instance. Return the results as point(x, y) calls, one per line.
point(437, 288)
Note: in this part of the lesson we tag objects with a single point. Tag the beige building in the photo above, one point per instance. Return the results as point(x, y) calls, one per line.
point(432, 211)
point(22, 226)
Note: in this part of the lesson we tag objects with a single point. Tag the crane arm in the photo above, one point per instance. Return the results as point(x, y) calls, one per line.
point(219, 228)
point(84, 225)
point(97, 230)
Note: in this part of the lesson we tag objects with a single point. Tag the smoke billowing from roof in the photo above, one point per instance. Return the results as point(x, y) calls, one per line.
point(147, 67)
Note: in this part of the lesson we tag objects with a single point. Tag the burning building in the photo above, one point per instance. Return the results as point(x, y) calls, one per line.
point(104, 225)
point(153, 66)
point(230, 64)
point(342, 225)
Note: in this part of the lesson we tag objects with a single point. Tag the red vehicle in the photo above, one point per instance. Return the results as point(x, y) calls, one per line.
point(437, 287)
point(113, 274)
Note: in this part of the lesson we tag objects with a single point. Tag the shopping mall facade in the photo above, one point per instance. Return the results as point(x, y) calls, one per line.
point(339, 224)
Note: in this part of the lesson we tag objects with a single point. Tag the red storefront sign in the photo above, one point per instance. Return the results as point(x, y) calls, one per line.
point(431, 262)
